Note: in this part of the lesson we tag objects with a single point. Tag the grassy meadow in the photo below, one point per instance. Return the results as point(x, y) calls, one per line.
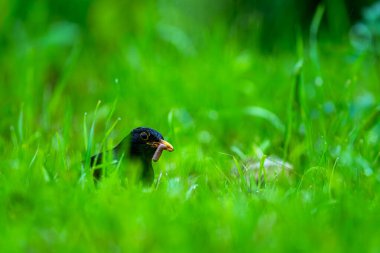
point(76, 81)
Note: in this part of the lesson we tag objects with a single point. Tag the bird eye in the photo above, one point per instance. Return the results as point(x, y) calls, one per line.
point(144, 136)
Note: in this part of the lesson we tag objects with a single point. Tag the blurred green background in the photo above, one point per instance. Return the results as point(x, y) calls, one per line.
point(225, 82)
point(64, 56)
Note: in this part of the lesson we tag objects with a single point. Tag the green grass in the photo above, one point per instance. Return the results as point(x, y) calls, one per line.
point(219, 103)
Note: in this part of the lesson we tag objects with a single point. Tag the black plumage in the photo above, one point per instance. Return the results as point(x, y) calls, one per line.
point(141, 144)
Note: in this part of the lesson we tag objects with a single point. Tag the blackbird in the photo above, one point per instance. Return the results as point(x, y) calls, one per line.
point(142, 144)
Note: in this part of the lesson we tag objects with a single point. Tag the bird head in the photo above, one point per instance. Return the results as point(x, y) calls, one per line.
point(148, 144)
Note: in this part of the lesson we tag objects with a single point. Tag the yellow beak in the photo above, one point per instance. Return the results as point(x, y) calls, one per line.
point(167, 145)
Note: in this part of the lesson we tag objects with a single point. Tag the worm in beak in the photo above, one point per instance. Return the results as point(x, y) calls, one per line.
point(162, 145)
